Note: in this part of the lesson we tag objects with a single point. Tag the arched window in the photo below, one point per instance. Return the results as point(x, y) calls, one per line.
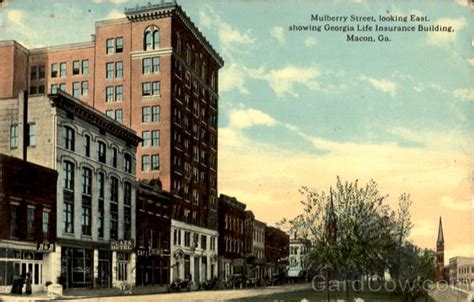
point(151, 38)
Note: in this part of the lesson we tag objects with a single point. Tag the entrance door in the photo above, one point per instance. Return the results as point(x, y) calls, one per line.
point(196, 270)
point(104, 274)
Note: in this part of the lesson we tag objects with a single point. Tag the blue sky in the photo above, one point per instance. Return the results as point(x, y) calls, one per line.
point(299, 108)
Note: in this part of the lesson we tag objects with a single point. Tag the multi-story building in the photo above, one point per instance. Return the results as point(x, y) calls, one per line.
point(277, 245)
point(153, 234)
point(28, 223)
point(461, 270)
point(298, 259)
point(254, 246)
point(95, 158)
point(231, 237)
point(156, 73)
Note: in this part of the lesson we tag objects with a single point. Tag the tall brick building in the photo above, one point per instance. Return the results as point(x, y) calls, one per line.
point(156, 73)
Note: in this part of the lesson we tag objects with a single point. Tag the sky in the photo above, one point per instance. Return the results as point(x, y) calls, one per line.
point(299, 108)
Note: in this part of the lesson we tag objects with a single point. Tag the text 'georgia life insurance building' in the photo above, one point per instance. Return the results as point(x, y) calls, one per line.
point(155, 72)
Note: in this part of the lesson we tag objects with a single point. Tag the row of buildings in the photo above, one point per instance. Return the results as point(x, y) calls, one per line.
point(109, 161)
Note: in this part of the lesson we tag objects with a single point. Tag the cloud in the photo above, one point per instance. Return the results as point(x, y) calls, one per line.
point(442, 38)
point(230, 38)
point(466, 94)
point(381, 84)
point(284, 80)
point(245, 118)
point(233, 77)
point(16, 16)
point(110, 1)
point(278, 33)
point(115, 14)
point(310, 41)
point(449, 203)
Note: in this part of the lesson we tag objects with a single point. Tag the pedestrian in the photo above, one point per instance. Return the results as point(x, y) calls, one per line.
point(20, 284)
point(28, 284)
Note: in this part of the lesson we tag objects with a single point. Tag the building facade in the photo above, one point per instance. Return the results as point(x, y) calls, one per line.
point(28, 230)
point(231, 237)
point(156, 73)
point(461, 270)
point(298, 259)
point(95, 158)
point(277, 245)
point(255, 247)
point(153, 234)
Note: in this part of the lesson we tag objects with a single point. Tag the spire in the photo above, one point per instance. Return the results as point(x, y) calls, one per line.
point(440, 233)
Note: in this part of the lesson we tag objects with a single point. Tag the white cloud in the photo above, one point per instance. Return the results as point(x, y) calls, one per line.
point(310, 41)
point(245, 118)
point(284, 80)
point(278, 33)
point(381, 85)
point(441, 38)
point(110, 1)
point(115, 14)
point(16, 16)
point(464, 94)
point(449, 203)
point(233, 77)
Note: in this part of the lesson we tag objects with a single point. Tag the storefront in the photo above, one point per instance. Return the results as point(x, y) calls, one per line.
point(152, 267)
point(76, 267)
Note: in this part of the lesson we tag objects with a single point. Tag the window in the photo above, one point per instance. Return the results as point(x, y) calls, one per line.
point(84, 88)
point(155, 138)
point(54, 70)
point(146, 66)
point(187, 239)
point(41, 89)
point(54, 88)
point(86, 181)
point(76, 67)
point(100, 224)
point(109, 46)
point(30, 223)
point(85, 67)
point(119, 69)
point(119, 115)
point(32, 134)
point(86, 218)
point(62, 69)
point(102, 152)
point(114, 157)
point(119, 45)
point(41, 72)
point(15, 220)
point(145, 162)
point(156, 39)
point(148, 40)
point(155, 114)
point(69, 139)
point(127, 163)
point(114, 197)
point(146, 89)
point(118, 93)
point(87, 145)
point(76, 92)
point(34, 72)
point(114, 208)
point(127, 193)
point(155, 162)
point(109, 90)
point(68, 171)
point(145, 114)
point(156, 64)
point(146, 138)
point(156, 88)
point(109, 71)
point(45, 227)
point(109, 113)
point(14, 136)
point(62, 87)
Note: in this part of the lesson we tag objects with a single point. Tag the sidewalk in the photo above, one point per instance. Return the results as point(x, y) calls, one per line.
point(36, 297)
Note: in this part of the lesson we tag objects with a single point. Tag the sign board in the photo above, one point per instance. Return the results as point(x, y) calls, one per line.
point(45, 247)
point(122, 245)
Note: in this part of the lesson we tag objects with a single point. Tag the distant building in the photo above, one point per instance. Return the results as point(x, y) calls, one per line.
point(231, 237)
point(440, 253)
point(28, 222)
point(277, 244)
point(461, 270)
point(95, 158)
point(153, 234)
point(298, 259)
point(254, 246)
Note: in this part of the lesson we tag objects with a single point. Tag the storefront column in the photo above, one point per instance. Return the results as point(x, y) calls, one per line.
point(95, 267)
point(114, 269)
point(55, 264)
point(191, 264)
point(132, 269)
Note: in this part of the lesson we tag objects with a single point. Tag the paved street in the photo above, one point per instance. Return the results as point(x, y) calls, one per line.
point(218, 295)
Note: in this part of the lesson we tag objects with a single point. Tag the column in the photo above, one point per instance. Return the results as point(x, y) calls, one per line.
point(95, 267)
point(191, 264)
point(131, 269)
point(114, 269)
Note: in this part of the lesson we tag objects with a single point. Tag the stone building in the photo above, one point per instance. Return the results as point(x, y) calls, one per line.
point(28, 222)
point(231, 237)
point(461, 270)
point(95, 158)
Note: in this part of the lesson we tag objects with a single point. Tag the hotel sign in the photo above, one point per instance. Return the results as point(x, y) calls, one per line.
point(45, 247)
point(122, 245)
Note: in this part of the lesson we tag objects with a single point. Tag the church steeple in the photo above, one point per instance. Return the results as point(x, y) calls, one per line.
point(440, 252)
